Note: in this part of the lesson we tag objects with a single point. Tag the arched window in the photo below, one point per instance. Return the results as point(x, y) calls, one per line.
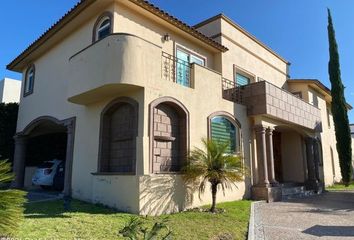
point(168, 135)
point(29, 81)
point(224, 128)
point(119, 129)
point(103, 26)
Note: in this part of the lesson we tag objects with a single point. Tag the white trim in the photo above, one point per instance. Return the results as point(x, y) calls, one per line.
point(189, 51)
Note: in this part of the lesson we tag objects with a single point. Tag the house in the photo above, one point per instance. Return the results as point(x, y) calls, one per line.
point(132, 89)
point(10, 90)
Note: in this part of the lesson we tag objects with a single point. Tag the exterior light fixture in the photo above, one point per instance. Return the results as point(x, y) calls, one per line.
point(166, 37)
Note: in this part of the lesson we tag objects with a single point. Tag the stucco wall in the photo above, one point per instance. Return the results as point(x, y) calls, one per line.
point(245, 53)
point(292, 157)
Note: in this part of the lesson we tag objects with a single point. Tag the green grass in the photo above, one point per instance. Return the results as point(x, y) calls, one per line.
point(341, 187)
point(86, 221)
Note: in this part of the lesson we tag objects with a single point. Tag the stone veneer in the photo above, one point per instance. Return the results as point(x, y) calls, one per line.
point(264, 98)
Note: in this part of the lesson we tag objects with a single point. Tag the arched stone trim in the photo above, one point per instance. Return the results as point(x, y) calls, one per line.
point(232, 119)
point(30, 67)
point(36, 122)
point(182, 110)
point(106, 14)
point(104, 123)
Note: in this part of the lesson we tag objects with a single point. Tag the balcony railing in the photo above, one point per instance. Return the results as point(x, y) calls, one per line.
point(176, 70)
point(264, 98)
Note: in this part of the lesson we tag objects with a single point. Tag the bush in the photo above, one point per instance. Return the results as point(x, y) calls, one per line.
point(11, 203)
point(8, 122)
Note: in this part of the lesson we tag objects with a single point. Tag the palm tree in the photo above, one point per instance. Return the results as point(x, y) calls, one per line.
point(215, 165)
point(11, 203)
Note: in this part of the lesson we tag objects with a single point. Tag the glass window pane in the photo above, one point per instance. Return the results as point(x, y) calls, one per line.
point(223, 131)
point(103, 33)
point(182, 68)
point(241, 80)
point(197, 60)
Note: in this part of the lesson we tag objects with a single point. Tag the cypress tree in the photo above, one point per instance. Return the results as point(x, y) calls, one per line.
point(339, 108)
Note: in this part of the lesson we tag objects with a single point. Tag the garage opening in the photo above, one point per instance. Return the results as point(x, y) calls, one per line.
point(43, 155)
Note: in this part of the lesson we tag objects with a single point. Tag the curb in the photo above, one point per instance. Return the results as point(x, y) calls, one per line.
point(251, 225)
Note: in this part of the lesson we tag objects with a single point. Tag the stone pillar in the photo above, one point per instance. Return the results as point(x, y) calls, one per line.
point(316, 152)
point(69, 158)
point(19, 161)
point(262, 165)
point(311, 172)
point(263, 190)
point(270, 156)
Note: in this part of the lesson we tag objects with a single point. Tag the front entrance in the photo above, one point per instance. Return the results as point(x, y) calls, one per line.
point(278, 168)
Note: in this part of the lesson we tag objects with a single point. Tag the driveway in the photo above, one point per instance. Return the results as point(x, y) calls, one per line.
point(42, 196)
point(326, 216)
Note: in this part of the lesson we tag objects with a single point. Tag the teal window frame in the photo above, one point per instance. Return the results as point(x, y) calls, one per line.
point(183, 71)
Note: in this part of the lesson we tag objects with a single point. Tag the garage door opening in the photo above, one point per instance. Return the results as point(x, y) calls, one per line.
point(43, 155)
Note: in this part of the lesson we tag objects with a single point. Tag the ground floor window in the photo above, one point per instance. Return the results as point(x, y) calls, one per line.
point(225, 129)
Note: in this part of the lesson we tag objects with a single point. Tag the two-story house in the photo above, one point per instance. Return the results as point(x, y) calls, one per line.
point(133, 89)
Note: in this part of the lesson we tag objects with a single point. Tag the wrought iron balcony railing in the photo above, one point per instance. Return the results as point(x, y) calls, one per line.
point(176, 70)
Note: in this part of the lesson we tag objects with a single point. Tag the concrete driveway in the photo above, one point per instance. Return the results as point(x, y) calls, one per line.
point(42, 196)
point(326, 216)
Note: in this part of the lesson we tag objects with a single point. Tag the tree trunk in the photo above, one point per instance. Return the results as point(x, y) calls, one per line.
point(214, 189)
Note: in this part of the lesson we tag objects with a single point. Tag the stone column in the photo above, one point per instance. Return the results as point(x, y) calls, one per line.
point(311, 175)
point(270, 157)
point(262, 165)
point(19, 161)
point(316, 152)
point(69, 158)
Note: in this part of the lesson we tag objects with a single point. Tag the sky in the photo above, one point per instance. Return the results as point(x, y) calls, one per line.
point(297, 30)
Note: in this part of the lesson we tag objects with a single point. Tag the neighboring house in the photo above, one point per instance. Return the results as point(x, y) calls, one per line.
point(10, 90)
point(133, 89)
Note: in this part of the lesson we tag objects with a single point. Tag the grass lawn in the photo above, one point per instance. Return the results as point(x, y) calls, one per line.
point(86, 221)
point(341, 187)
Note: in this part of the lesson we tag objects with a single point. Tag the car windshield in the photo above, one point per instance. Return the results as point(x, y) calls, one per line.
point(46, 165)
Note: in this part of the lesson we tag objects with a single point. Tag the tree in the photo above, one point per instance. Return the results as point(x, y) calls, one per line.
point(8, 122)
point(339, 108)
point(213, 164)
point(11, 202)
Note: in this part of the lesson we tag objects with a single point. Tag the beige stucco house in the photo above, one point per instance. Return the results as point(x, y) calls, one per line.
point(133, 89)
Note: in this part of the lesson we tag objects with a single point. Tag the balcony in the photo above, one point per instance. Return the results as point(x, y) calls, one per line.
point(113, 65)
point(264, 98)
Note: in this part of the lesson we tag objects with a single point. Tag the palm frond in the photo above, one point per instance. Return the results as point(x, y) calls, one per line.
point(213, 164)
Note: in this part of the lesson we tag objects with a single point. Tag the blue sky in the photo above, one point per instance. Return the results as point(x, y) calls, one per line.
point(297, 30)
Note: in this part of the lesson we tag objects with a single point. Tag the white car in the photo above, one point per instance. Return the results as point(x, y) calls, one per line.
point(45, 173)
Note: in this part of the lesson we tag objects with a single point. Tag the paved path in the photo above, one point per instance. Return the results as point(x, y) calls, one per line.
point(327, 216)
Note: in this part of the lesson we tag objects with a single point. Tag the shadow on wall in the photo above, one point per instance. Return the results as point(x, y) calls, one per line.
point(330, 231)
point(164, 194)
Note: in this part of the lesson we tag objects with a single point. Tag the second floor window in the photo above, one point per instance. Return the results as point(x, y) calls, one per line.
point(243, 77)
point(29, 81)
point(242, 80)
point(103, 26)
point(184, 59)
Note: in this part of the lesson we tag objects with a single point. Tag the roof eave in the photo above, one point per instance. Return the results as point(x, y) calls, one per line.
point(83, 4)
